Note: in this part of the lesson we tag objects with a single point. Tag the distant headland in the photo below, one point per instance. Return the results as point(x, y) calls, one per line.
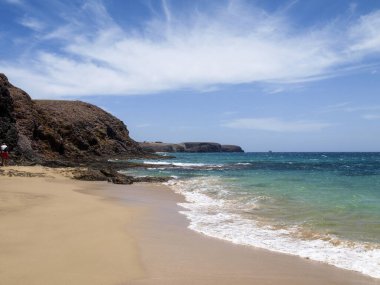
point(189, 147)
point(57, 132)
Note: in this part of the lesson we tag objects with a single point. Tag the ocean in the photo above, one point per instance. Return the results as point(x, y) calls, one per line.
point(321, 206)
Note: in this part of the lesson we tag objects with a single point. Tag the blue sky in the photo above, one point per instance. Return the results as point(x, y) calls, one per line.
point(267, 75)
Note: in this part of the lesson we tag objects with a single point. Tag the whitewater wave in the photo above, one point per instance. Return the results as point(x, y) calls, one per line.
point(216, 211)
point(183, 164)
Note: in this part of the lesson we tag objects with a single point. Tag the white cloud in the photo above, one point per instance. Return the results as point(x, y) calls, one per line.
point(348, 107)
point(32, 23)
point(16, 2)
point(365, 34)
point(276, 125)
point(371, 116)
point(231, 44)
point(168, 14)
point(275, 90)
point(229, 113)
point(352, 7)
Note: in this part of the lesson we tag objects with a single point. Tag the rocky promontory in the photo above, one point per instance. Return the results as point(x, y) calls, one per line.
point(38, 131)
point(60, 133)
point(189, 147)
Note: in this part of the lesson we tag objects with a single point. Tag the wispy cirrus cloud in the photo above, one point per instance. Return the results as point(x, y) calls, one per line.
point(364, 34)
point(32, 23)
point(350, 108)
point(16, 2)
point(232, 43)
point(276, 125)
point(371, 116)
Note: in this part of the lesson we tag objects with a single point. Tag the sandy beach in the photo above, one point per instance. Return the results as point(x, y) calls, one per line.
point(52, 234)
point(55, 230)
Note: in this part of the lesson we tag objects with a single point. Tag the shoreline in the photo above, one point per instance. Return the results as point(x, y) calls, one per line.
point(174, 254)
point(128, 235)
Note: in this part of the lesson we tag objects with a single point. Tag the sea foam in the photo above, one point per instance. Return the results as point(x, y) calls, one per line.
point(183, 164)
point(211, 211)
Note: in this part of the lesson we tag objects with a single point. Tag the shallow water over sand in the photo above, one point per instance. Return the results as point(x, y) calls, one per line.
point(323, 206)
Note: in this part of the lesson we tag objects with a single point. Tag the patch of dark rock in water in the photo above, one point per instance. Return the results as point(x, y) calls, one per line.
point(151, 179)
point(189, 147)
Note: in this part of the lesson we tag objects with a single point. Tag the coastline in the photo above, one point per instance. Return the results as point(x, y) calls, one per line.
point(54, 232)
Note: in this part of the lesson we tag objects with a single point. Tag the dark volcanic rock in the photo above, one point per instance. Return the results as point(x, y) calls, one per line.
point(189, 147)
point(16, 113)
point(151, 179)
point(46, 130)
point(162, 147)
point(113, 176)
point(231, 148)
point(12, 172)
point(90, 175)
point(103, 175)
point(202, 147)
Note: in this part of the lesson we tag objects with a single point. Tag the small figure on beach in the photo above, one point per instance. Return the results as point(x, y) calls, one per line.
point(4, 154)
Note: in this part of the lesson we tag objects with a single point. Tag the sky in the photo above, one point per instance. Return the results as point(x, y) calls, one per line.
point(265, 75)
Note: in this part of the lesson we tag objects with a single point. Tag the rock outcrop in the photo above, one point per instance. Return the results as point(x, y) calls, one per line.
point(189, 147)
point(162, 147)
point(115, 177)
point(202, 147)
point(231, 148)
point(45, 130)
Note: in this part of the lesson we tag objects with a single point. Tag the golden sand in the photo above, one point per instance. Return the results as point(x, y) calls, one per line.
point(53, 232)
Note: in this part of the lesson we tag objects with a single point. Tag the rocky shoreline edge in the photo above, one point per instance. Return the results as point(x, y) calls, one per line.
point(97, 172)
point(78, 135)
point(109, 171)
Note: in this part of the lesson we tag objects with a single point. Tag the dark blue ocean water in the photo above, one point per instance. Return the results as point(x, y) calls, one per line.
point(324, 206)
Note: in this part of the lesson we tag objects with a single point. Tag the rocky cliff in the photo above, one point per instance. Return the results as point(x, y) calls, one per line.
point(41, 130)
point(189, 147)
point(162, 147)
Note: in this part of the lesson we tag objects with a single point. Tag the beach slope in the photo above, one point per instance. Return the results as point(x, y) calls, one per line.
point(51, 233)
point(55, 230)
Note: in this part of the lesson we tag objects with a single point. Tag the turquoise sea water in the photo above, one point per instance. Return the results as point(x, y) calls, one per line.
point(323, 206)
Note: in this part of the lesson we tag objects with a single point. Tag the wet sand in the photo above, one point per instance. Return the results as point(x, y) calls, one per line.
point(54, 230)
point(172, 254)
